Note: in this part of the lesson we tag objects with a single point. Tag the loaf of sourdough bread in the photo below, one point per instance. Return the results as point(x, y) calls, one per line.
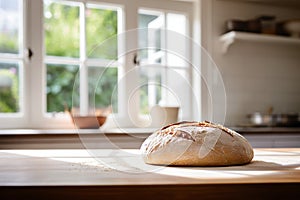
point(196, 144)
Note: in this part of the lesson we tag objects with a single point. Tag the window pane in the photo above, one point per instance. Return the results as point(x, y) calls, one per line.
point(60, 83)
point(101, 24)
point(150, 90)
point(163, 86)
point(150, 37)
point(61, 24)
point(9, 88)
point(103, 87)
point(177, 87)
point(9, 26)
point(162, 83)
point(176, 23)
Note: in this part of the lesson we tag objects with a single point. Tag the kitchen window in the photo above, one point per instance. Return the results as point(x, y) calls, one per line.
point(76, 58)
point(161, 71)
point(53, 52)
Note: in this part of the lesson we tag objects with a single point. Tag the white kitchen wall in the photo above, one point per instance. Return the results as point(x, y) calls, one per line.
point(256, 75)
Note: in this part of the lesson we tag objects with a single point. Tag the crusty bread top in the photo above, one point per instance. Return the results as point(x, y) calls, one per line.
point(179, 131)
point(173, 128)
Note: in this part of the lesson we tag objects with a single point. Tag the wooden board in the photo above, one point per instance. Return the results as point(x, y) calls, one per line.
point(125, 166)
point(45, 170)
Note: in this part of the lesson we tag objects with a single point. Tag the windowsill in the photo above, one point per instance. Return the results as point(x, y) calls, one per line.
point(76, 131)
point(72, 138)
point(134, 131)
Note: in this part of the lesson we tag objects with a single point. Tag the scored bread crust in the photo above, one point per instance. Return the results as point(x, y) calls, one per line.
point(196, 144)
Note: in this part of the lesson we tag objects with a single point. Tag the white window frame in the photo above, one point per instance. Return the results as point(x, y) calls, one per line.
point(163, 54)
point(82, 61)
point(34, 99)
point(19, 119)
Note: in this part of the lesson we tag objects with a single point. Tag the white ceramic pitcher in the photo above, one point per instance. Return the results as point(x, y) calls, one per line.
point(163, 115)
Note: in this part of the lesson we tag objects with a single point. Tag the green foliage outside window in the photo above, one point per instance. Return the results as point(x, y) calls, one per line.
point(103, 86)
point(60, 84)
point(62, 38)
point(102, 27)
point(9, 96)
point(8, 43)
point(61, 24)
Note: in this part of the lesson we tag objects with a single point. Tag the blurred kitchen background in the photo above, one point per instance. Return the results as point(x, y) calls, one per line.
point(261, 74)
point(254, 43)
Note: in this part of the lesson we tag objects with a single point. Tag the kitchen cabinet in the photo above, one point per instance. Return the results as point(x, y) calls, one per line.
point(271, 137)
point(232, 37)
point(273, 140)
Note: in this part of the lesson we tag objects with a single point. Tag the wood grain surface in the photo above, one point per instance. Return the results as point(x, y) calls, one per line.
point(116, 173)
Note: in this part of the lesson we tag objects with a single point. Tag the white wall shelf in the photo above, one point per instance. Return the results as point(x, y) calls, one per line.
point(229, 38)
point(280, 3)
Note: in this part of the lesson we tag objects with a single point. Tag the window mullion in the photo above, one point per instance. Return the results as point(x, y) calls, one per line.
point(35, 78)
point(83, 75)
point(164, 47)
point(129, 103)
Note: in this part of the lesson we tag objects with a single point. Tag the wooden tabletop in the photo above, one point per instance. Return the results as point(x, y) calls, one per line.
point(124, 168)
